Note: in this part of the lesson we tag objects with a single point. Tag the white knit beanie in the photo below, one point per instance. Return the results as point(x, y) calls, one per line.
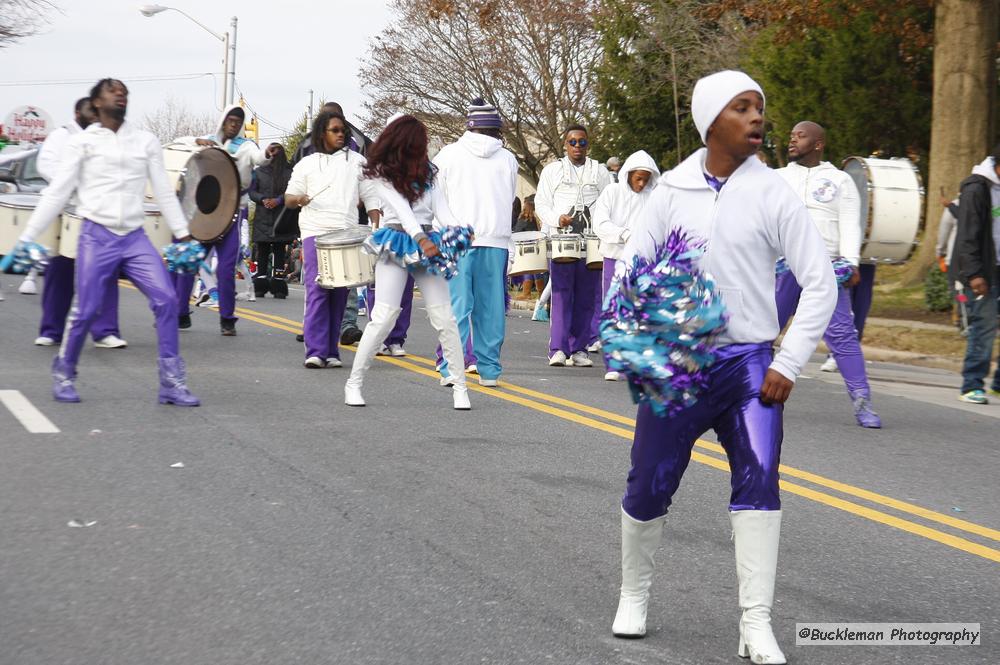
point(713, 92)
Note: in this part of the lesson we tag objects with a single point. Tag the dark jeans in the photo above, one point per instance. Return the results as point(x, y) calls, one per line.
point(982, 334)
point(270, 256)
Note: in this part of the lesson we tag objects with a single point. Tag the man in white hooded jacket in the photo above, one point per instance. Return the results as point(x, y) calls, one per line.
point(616, 211)
point(247, 156)
point(478, 177)
point(748, 217)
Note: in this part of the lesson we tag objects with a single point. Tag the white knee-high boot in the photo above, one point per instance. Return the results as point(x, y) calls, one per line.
point(639, 543)
point(443, 321)
point(383, 318)
point(756, 534)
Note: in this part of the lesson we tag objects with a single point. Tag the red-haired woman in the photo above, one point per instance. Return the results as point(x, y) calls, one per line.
point(413, 207)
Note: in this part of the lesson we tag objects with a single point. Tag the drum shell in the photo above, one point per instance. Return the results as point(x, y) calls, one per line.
point(15, 211)
point(567, 247)
point(341, 261)
point(156, 227)
point(595, 260)
point(892, 207)
point(530, 256)
point(70, 225)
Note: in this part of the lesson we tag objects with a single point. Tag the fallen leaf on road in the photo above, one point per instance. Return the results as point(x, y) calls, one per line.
point(178, 465)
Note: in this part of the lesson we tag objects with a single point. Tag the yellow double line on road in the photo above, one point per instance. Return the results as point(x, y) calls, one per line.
point(611, 423)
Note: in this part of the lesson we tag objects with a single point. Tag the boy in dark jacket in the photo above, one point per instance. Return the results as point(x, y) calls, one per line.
point(976, 261)
point(270, 243)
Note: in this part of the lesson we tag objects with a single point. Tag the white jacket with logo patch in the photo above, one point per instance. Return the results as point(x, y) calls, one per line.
point(832, 199)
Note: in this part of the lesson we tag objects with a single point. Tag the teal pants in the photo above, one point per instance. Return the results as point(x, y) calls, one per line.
point(478, 295)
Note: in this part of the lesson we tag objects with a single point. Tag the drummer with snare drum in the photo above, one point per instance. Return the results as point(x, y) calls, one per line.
point(566, 191)
point(327, 185)
point(832, 199)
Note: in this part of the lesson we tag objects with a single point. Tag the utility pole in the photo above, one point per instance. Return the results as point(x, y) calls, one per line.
point(231, 57)
point(309, 111)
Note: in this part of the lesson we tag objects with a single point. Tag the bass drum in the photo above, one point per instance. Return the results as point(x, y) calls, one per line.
point(892, 207)
point(15, 211)
point(208, 187)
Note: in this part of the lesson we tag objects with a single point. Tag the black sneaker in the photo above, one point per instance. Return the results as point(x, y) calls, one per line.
point(300, 338)
point(228, 328)
point(350, 336)
point(184, 321)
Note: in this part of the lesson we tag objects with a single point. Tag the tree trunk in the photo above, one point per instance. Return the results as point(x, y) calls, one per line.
point(965, 38)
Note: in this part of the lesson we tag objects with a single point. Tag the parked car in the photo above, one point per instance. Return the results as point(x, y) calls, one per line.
point(18, 172)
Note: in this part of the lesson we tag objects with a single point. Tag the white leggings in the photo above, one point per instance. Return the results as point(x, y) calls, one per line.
point(390, 280)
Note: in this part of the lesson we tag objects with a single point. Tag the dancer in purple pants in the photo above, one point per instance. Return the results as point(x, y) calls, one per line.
point(57, 293)
point(747, 217)
point(833, 203)
point(108, 166)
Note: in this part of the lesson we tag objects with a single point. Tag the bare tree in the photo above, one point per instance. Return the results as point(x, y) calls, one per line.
point(174, 119)
point(21, 18)
point(533, 59)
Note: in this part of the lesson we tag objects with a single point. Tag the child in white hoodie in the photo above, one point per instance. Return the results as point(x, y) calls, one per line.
point(748, 217)
point(617, 209)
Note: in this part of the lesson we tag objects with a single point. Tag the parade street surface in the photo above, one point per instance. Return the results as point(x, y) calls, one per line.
point(276, 525)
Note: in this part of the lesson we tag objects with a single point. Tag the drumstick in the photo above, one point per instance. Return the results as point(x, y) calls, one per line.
point(313, 197)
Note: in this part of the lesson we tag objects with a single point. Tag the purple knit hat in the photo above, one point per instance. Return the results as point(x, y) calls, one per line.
point(480, 115)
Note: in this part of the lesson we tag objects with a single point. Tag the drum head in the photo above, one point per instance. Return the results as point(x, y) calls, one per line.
point(209, 193)
point(527, 236)
point(343, 237)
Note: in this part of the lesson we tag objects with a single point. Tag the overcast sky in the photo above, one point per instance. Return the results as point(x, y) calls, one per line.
point(283, 48)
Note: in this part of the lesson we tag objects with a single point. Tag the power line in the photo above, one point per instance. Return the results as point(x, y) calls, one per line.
point(129, 79)
point(285, 131)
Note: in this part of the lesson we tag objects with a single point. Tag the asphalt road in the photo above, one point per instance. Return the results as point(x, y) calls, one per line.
point(300, 530)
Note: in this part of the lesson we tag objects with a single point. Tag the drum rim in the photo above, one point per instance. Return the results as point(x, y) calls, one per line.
point(19, 195)
point(358, 238)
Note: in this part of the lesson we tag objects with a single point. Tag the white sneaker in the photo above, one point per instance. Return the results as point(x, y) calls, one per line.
point(829, 365)
point(488, 383)
point(397, 350)
point(447, 381)
point(242, 296)
point(581, 359)
point(595, 347)
point(384, 351)
point(334, 362)
point(110, 342)
point(28, 287)
point(472, 369)
point(251, 296)
point(44, 341)
point(314, 362)
point(558, 359)
point(611, 376)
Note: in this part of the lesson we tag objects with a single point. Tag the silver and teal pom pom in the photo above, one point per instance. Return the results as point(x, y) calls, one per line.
point(184, 257)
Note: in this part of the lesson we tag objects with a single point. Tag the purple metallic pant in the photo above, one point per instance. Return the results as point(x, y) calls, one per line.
point(324, 308)
point(749, 431)
point(57, 297)
point(227, 252)
point(861, 297)
point(841, 337)
point(574, 294)
point(101, 256)
point(398, 334)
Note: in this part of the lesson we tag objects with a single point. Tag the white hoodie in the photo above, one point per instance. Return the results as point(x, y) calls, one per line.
point(244, 152)
point(562, 186)
point(335, 184)
point(479, 178)
point(618, 206)
point(832, 199)
point(751, 222)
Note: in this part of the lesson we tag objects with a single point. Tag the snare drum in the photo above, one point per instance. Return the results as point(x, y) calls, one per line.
point(567, 247)
point(70, 225)
point(595, 260)
point(529, 253)
point(15, 211)
point(892, 206)
point(156, 227)
point(340, 261)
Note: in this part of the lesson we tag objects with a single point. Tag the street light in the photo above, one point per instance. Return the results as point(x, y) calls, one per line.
point(228, 39)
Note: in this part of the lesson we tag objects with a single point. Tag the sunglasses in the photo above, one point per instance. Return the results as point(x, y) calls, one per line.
point(583, 143)
point(337, 130)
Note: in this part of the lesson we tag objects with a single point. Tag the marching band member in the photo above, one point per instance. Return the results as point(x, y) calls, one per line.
point(617, 209)
point(478, 177)
point(247, 156)
point(107, 165)
point(57, 291)
point(833, 203)
point(748, 217)
point(566, 191)
point(327, 185)
point(413, 205)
